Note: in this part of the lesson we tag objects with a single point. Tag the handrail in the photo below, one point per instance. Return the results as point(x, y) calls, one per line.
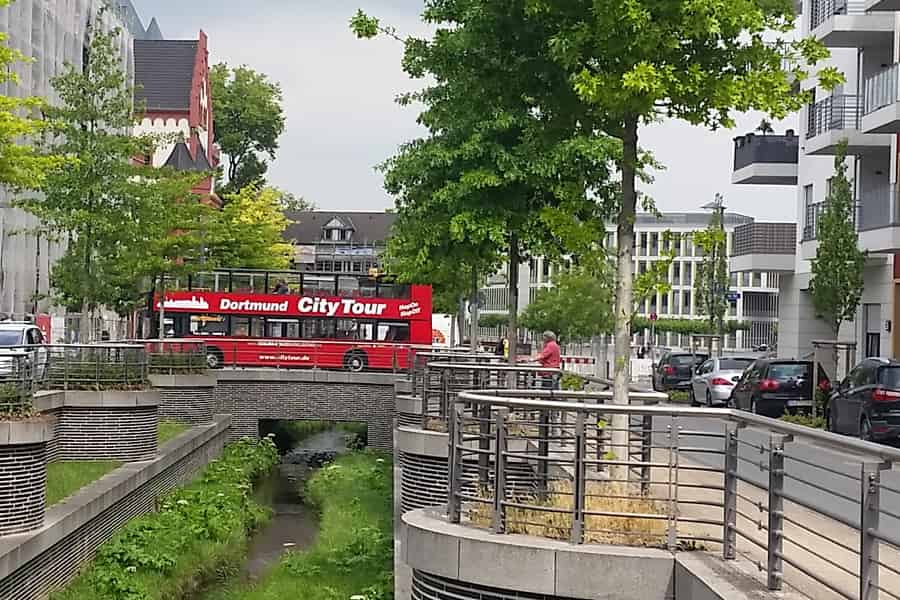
point(566, 465)
point(498, 367)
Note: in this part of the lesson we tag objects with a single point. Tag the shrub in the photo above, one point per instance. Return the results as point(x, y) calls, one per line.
point(572, 382)
point(806, 420)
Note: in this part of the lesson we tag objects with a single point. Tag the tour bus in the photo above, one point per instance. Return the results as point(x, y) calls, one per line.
point(296, 319)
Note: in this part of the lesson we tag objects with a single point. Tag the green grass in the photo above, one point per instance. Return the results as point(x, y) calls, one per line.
point(67, 477)
point(169, 430)
point(353, 554)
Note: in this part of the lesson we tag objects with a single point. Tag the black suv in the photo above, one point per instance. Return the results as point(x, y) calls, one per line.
point(867, 402)
point(771, 386)
point(675, 370)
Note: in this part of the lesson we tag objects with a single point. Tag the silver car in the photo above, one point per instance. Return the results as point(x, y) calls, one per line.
point(714, 379)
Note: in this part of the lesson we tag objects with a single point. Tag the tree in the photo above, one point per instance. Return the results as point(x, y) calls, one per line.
point(836, 283)
point(638, 61)
point(249, 121)
point(22, 165)
point(248, 233)
point(579, 306)
point(109, 210)
point(712, 274)
point(765, 127)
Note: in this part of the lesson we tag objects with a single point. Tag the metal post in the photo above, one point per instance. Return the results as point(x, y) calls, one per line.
point(483, 413)
point(776, 510)
point(672, 482)
point(498, 525)
point(646, 452)
point(578, 490)
point(444, 400)
point(870, 484)
point(729, 520)
point(454, 467)
point(543, 451)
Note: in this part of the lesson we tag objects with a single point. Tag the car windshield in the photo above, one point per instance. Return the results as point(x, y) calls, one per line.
point(10, 338)
point(682, 360)
point(734, 364)
point(788, 371)
point(889, 377)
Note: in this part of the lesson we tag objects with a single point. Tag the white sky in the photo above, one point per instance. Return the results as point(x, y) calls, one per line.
point(342, 120)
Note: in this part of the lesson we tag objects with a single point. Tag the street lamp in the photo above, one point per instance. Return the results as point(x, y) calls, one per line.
point(717, 206)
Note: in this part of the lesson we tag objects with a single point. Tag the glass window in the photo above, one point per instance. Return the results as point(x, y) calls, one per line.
point(676, 273)
point(734, 364)
point(393, 332)
point(322, 285)
point(782, 371)
point(240, 326)
point(389, 289)
point(757, 279)
point(283, 328)
point(208, 325)
point(348, 286)
point(347, 329)
point(889, 377)
point(318, 328)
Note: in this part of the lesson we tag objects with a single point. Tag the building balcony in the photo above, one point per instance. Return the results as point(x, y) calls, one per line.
point(879, 220)
point(881, 109)
point(846, 24)
point(837, 118)
point(766, 159)
point(764, 247)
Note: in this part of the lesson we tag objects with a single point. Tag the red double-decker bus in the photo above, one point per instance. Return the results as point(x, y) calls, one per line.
point(293, 319)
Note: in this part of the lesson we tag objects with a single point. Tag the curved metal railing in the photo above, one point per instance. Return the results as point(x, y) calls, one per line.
point(84, 366)
point(812, 508)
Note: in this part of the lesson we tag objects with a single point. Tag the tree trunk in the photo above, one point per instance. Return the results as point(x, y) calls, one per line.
point(84, 325)
point(452, 330)
point(624, 294)
point(513, 285)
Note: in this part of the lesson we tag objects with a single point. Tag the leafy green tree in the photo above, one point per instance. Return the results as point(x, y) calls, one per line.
point(103, 205)
point(22, 165)
point(249, 121)
point(836, 283)
point(638, 61)
point(712, 275)
point(577, 307)
point(248, 233)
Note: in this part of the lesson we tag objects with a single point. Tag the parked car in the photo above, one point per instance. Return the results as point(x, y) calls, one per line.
point(867, 401)
point(714, 380)
point(22, 343)
point(772, 386)
point(675, 370)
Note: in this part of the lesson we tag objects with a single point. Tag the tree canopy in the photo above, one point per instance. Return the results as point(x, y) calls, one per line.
point(577, 307)
point(837, 282)
point(249, 121)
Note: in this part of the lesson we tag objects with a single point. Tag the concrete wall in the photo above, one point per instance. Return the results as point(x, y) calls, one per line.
point(186, 398)
point(33, 565)
point(255, 394)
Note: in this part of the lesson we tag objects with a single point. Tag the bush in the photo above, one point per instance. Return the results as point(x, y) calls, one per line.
point(170, 554)
point(572, 382)
point(177, 363)
point(805, 420)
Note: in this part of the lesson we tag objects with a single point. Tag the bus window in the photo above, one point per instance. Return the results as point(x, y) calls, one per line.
point(318, 328)
point(368, 288)
point(208, 325)
point(319, 285)
point(387, 289)
point(347, 329)
point(257, 327)
point(393, 332)
point(248, 282)
point(283, 328)
point(348, 286)
point(240, 326)
point(366, 331)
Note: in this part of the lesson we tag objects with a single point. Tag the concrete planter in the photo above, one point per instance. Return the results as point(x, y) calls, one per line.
point(186, 398)
point(23, 474)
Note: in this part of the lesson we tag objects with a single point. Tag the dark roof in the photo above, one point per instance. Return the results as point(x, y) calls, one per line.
point(368, 227)
point(163, 73)
point(181, 160)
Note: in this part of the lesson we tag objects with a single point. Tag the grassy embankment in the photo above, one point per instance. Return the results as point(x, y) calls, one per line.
point(353, 554)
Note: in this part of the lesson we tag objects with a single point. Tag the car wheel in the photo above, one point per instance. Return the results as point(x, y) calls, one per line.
point(214, 359)
point(865, 429)
point(356, 361)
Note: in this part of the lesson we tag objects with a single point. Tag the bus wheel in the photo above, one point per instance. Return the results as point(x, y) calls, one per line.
point(214, 358)
point(355, 361)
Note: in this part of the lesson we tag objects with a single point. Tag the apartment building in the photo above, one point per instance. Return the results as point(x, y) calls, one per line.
point(862, 36)
point(756, 289)
point(51, 33)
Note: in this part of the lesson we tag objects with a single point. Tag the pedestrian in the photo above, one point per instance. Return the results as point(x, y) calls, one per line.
point(549, 357)
point(281, 288)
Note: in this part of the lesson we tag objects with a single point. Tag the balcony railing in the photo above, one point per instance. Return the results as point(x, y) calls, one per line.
point(878, 208)
point(822, 10)
point(835, 113)
point(882, 89)
point(811, 220)
point(765, 238)
point(750, 149)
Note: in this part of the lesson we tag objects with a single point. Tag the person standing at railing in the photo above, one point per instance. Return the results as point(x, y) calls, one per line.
point(550, 358)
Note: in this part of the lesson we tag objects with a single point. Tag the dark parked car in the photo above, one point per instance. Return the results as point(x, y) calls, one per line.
point(772, 386)
point(675, 370)
point(867, 402)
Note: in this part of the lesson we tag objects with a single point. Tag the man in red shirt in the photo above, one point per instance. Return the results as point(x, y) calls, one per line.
point(549, 357)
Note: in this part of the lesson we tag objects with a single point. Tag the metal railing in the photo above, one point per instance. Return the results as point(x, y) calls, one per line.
point(811, 220)
point(823, 10)
point(878, 207)
point(816, 508)
point(882, 89)
point(17, 383)
point(175, 357)
point(835, 113)
point(85, 367)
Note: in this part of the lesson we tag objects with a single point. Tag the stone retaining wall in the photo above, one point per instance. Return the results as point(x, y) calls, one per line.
point(33, 565)
point(253, 395)
point(186, 398)
point(23, 474)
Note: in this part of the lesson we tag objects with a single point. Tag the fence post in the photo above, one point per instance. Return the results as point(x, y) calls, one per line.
point(483, 413)
point(646, 452)
point(455, 466)
point(444, 400)
point(423, 397)
point(498, 524)
point(544, 450)
point(776, 510)
point(672, 481)
point(580, 480)
point(870, 507)
point(729, 516)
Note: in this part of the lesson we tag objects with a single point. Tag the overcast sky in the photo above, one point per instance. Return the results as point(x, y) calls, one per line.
point(342, 120)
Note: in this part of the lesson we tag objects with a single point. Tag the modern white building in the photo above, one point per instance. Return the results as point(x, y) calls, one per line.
point(756, 289)
point(52, 34)
point(862, 36)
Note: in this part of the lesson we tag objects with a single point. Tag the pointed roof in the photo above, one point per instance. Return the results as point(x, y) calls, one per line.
point(153, 30)
point(368, 227)
point(181, 159)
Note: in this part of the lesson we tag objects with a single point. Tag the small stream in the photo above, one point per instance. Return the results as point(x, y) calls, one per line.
point(294, 526)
